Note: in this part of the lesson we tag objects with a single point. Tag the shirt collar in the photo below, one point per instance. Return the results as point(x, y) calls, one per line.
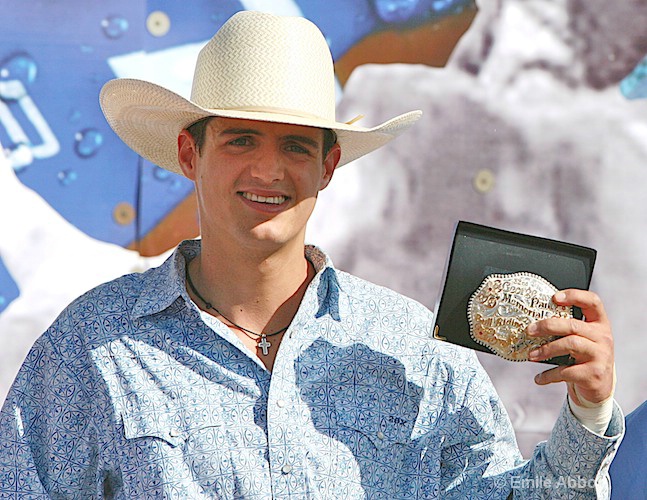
point(164, 285)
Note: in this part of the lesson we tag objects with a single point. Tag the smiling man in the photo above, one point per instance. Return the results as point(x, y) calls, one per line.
point(246, 365)
point(256, 183)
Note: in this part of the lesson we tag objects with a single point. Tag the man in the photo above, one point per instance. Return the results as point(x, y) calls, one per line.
point(628, 470)
point(247, 366)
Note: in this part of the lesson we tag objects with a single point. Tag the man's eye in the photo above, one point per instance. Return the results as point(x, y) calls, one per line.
point(240, 141)
point(296, 148)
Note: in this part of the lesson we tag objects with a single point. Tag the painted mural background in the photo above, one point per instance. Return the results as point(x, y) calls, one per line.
point(535, 120)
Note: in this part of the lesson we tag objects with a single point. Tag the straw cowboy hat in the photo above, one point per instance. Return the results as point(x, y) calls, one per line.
point(257, 67)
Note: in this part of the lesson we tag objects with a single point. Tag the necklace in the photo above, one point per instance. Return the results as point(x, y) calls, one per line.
point(261, 341)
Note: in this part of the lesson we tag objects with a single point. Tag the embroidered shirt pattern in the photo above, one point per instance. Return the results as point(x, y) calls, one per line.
point(135, 393)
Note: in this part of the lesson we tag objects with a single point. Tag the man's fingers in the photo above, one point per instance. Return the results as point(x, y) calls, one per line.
point(594, 326)
point(571, 327)
point(589, 302)
point(576, 374)
point(592, 380)
point(550, 376)
point(589, 342)
point(578, 347)
point(561, 327)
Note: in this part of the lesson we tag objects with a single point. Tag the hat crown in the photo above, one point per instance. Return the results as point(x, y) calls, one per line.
point(262, 62)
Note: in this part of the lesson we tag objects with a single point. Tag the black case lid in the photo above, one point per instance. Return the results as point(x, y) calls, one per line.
point(478, 251)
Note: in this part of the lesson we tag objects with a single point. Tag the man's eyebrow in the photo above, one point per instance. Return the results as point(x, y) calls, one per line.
point(303, 139)
point(240, 131)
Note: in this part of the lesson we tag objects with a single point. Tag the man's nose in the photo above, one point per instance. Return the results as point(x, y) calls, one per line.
point(268, 166)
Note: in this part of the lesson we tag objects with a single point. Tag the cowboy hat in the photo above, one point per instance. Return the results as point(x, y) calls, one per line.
point(256, 67)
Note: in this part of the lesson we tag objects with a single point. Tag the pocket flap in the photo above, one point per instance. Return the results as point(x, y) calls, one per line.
point(383, 426)
point(173, 424)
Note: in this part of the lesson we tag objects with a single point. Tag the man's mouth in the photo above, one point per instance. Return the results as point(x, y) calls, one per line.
point(270, 200)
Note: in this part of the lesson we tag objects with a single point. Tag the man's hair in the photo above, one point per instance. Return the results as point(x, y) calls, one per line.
point(199, 128)
point(198, 131)
point(329, 140)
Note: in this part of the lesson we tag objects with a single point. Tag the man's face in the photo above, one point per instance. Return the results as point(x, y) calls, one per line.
point(257, 182)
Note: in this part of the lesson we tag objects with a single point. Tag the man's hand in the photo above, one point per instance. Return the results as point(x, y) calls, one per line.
point(589, 342)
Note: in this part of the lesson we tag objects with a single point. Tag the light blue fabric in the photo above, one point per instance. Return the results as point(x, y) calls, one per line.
point(629, 467)
point(135, 393)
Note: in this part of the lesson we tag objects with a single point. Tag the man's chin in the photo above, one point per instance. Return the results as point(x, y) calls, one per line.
point(265, 236)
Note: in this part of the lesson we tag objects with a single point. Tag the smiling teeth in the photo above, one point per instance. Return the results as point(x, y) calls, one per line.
point(272, 200)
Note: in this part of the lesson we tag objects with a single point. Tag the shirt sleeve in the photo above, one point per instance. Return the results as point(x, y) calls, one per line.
point(574, 461)
point(481, 457)
point(48, 447)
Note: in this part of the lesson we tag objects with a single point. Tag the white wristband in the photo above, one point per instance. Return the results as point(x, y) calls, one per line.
point(595, 417)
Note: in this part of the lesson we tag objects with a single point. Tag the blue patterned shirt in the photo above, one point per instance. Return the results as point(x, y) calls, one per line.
point(135, 393)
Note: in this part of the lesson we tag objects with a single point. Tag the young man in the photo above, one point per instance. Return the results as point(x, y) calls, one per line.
point(247, 366)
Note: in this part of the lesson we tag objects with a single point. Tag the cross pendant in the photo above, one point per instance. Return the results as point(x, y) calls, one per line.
point(264, 345)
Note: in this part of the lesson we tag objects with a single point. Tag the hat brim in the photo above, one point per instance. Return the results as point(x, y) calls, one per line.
point(149, 118)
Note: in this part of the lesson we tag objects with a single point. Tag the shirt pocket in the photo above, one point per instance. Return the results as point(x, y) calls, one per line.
point(177, 425)
point(378, 444)
point(173, 443)
point(383, 425)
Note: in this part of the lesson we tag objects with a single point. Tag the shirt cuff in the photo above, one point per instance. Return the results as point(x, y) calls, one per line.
point(574, 451)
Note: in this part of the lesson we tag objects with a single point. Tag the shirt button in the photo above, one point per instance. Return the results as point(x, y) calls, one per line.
point(286, 469)
point(380, 435)
point(280, 403)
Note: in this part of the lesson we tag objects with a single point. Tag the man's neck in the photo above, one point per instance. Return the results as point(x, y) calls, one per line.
point(258, 289)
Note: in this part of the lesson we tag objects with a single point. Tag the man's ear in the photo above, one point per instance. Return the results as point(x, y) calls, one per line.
point(330, 164)
point(187, 152)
